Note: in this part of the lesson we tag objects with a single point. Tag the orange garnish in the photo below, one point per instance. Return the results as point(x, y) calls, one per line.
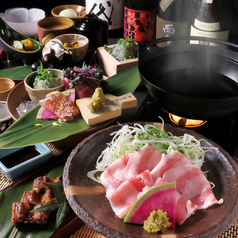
point(27, 43)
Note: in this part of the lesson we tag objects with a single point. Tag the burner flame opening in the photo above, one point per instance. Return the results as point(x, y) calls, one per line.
point(185, 122)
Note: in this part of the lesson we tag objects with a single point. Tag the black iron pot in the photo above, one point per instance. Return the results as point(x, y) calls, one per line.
point(191, 80)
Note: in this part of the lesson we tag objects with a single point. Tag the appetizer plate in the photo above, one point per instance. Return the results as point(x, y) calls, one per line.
point(19, 94)
point(87, 197)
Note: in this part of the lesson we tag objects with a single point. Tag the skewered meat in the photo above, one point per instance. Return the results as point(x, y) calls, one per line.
point(20, 212)
point(32, 197)
point(39, 185)
point(58, 179)
point(39, 217)
point(47, 196)
point(40, 195)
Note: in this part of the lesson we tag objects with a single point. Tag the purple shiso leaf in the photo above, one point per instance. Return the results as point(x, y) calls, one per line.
point(77, 69)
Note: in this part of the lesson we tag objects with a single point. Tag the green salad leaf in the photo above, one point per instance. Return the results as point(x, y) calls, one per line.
point(25, 131)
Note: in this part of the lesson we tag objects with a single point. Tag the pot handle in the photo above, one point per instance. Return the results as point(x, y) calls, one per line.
point(184, 38)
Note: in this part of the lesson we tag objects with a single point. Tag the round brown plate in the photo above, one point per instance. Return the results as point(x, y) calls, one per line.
point(87, 198)
point(15, 98)
point(19, 94)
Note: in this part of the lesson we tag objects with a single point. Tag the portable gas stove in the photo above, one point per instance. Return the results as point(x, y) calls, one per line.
point(222, 130)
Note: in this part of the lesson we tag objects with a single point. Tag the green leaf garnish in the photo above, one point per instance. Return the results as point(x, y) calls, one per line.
point(58, 191)
point(61, 213)
point(48, 207)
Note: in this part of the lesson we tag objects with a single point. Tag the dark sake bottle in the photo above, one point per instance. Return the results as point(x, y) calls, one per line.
point(139, 20)
point(209, 23)
point(173, 18)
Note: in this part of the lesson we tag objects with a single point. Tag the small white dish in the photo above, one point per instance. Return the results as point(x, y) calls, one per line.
point(4, 113)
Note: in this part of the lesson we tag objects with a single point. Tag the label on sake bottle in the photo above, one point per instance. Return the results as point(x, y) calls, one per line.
point(221, 35)
point(164, 4)
point(215, 26)
point(165, 28)
point(139, 25)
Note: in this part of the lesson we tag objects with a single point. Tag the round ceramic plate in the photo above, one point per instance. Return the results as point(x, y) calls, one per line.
point(87, 198)
point(15, 98)
point(19, 94)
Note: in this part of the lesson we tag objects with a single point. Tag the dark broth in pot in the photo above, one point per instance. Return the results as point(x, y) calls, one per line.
point(197, 83)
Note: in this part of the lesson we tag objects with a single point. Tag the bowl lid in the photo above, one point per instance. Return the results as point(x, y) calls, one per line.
point(91, 22)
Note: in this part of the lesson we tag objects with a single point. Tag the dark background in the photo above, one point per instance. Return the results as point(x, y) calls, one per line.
point(229, 9)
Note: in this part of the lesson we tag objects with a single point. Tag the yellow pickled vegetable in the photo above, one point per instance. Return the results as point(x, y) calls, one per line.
point(157, 221)
point(76, 45)
point(73, 44)
point(27, 43)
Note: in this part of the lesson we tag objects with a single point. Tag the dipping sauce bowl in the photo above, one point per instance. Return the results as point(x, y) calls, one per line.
point(6, 85)
point(15, 162)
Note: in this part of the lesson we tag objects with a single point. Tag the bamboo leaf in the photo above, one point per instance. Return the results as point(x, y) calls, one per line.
point(124, 82)
point(24, 230)
point(24, 131)
point(19, 72)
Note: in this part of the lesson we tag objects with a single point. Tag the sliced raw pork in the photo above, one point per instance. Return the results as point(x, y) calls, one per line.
point(169, 161)
point(128, 178)
point(125, 196)
point(145, 159)
point(113, 175)
point(192, 185)
point(129, 166)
